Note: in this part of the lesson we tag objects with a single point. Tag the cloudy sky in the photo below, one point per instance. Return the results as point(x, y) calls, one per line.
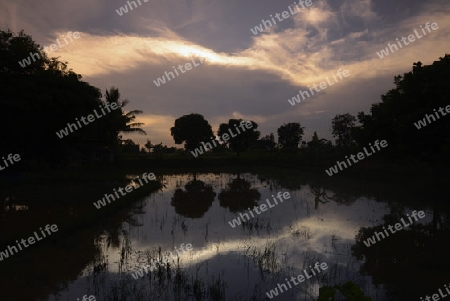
point(244, 75)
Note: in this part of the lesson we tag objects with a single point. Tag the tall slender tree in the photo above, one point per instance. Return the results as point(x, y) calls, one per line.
point(343, 129)
point(119, 121)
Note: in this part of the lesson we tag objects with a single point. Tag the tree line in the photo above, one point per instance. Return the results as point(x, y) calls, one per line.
point(417, 95)
point(41, 98)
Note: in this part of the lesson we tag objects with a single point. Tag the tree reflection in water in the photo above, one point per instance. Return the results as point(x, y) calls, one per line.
point(195, 201)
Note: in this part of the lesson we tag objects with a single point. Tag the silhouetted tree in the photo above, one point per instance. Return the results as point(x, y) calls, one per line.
point(48, 96)
point(420, 92)
point(318, 143)
point(290, 134)
point(16, 48)
point(129, 146)
point(244, 139)
point(148, 145)
point(343, 129)
point(315, 142)
point(125, 121)
point(191, 129)
point(267, 142)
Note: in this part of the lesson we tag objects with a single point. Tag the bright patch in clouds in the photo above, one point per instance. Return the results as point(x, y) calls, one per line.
point(243, 76)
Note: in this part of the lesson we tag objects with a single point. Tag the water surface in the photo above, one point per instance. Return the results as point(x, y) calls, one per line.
point(244, 263)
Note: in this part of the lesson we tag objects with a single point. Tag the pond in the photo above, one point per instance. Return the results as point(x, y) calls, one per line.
point(262, 256)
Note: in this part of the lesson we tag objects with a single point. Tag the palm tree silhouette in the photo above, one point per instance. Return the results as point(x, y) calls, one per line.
point(123, 121)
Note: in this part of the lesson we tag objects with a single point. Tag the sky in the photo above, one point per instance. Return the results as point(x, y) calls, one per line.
point(243, 75)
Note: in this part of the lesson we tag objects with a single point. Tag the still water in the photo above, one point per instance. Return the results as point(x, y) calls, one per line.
point(246, 262)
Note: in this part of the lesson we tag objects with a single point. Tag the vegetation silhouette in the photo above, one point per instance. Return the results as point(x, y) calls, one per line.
point(289, 135)
point(48, 96)
point(349, 290)
point(239, 196)
point(266, 143)
point(414, 257)
point(191, 129)
point(195, 201)
point(343, 129)
point(318, 143)
point(244, 139)
point(320, 195)
point(43, 97)
point(416, 93)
